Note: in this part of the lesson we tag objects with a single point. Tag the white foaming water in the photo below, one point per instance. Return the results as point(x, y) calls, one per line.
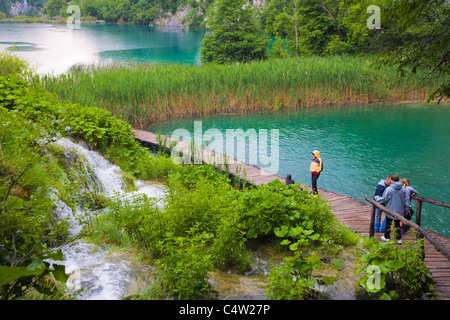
point(152, 190)
point(108, 174)
point(65, 212)
point(94, 274)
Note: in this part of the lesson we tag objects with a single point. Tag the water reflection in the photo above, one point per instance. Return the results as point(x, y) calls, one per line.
point(55, 48)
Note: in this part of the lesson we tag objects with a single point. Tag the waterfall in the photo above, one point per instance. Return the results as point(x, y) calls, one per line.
point(108, 174)
point(94, 274)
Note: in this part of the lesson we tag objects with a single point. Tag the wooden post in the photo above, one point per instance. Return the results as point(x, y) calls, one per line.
point(372, 222)
point(419, 216)
point(289, 180)
point(419, 236)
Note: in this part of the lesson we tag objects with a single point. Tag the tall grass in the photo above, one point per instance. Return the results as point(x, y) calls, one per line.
point(142, 94)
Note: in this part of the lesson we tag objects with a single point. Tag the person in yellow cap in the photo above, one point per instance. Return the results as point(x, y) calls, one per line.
point(316, 168)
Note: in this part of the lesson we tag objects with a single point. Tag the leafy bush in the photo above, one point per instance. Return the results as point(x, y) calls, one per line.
point(185, 266)
point(280, 210)
point(200, 207)
point(294, 279)
point(34, 172)
point(28, 223)
point(141, 219)
point(393, 272)
point(228, 250)
point(190, 175)
point(10, 64)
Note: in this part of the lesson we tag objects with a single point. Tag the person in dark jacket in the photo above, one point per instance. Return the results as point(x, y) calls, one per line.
point(381, 186)
point(396, 199)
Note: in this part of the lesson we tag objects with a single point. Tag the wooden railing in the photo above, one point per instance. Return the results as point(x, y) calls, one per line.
point(419, 206)
point(421, 233)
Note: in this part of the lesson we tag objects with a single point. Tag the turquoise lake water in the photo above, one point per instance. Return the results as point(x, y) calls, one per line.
point(359, 147)
point(54, 48)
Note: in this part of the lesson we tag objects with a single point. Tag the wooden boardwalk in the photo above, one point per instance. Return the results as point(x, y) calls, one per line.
point(350, 212)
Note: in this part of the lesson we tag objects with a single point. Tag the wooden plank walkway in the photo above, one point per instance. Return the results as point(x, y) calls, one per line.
point(350, 212)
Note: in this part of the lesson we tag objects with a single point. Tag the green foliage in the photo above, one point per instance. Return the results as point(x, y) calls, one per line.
point(198, 207)
point(28, 223)
point(184, 269)
point(283, 210)
point(228, 250)
point(294, 280)
point(141, 219)
point(204, 217)
point(129, 11)
point(34, 172)
point(55, 8)
point(235, 34)
point(426, 24)
point(190, 175)
point(307, 25)
point(177, 237)
point(12, 65)
point(393, 272)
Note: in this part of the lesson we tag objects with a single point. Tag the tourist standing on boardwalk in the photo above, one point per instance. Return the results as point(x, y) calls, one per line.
point(409, 191)
point(395, 199)
point(316, 168)
point(382, 185)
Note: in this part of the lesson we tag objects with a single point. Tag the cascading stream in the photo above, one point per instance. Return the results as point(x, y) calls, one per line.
point(95, 274)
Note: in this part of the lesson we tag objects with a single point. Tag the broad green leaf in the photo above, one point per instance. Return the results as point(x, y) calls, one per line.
point(59, 272)
point(8, 274)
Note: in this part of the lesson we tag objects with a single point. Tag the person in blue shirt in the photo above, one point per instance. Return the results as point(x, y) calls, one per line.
point(382, 185)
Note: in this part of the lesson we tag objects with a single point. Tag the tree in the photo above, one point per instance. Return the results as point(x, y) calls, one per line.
point(429, 51)
point(308, 25)
point(235, 34)
point(5, 6)
point(55, 8)
point(317, 25)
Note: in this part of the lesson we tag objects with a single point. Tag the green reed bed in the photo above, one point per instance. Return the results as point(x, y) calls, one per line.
point(142, 94)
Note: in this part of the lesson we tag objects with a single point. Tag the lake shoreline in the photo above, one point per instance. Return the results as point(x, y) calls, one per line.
point(147, 93)
point(353, 104)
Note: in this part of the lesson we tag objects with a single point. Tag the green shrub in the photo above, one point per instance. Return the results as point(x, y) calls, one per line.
point(190, 175)
point(184, 269)
point(10, 65)
point(395, 272)
point(228, 250)
point(199, 207)
point(295, 279)
point(28, 222)
point(275, 209)
point(141, 219)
